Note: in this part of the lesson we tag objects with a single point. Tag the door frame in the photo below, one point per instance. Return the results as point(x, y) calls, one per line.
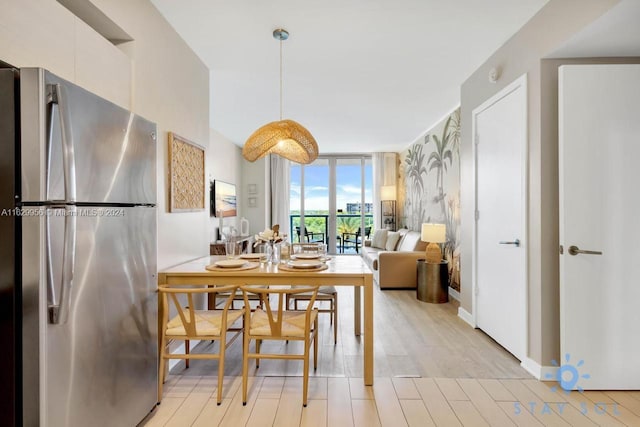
point(520, 82)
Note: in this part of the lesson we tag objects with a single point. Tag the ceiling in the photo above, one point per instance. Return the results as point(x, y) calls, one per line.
point(616, 33)
point(361, 75)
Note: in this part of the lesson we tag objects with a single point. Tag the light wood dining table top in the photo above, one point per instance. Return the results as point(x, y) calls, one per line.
point(338, 266)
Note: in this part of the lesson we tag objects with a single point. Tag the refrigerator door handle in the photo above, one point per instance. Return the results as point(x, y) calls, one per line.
point(59, 310)
point(57, 97)
point(52, 302)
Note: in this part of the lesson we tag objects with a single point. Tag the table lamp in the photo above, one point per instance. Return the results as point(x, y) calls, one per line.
point(434, 234)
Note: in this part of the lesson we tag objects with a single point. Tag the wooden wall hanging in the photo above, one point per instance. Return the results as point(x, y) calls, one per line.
point(186, 175)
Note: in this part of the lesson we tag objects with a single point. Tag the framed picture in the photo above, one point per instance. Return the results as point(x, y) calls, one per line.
point(223, 199)
point(252, 189)
point(186, 175)
point(253, 202)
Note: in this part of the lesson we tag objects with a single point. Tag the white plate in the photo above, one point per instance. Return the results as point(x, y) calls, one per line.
point(305, 264)
point(230, 263)
point(252, 256)
point(305, 256)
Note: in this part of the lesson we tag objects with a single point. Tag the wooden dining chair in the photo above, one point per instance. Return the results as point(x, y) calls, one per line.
point(191, 324)
point(297, 248)
point(238, 296)
point(280, 325)
point(325, 293)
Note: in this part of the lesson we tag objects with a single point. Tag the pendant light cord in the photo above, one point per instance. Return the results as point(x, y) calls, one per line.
point(281, 79)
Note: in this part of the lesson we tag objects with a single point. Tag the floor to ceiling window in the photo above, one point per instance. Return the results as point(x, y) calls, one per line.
point(331, 201)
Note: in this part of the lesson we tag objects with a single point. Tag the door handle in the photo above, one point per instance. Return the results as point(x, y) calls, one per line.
point(516, 243)
point(574, 250)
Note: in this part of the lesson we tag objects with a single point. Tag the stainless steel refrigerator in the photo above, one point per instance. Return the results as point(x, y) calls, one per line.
point(79, 273)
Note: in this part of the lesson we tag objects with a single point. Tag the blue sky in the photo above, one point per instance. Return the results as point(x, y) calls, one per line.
point(316, 182)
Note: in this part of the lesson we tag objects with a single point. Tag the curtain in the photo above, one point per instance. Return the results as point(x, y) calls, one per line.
point(280, 180)
point(378, 181)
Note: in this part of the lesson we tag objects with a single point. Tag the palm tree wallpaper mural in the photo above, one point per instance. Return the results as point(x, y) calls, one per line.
point(416, 173)
point(430, 183)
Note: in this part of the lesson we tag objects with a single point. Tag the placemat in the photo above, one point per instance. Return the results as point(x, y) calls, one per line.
point(284, 267)
point(248, 266)
point(253, 256)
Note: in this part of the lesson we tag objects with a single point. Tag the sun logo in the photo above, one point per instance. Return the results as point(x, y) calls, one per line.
point(568, 375)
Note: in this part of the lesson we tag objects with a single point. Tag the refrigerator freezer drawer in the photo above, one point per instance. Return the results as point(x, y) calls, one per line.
point(86, 149)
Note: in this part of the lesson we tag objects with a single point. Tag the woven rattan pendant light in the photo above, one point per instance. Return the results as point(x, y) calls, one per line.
point(286, 138)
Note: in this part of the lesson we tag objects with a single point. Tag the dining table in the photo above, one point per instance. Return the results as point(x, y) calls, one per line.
point(341, 270)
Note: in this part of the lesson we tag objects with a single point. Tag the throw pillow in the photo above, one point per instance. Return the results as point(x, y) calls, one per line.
point(392, 240)
point(379, 239)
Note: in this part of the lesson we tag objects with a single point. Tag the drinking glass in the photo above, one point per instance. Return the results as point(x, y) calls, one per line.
point(322, 250)
point(232, 247)
point(275, 253)
point(265, 249)
point(297, 249)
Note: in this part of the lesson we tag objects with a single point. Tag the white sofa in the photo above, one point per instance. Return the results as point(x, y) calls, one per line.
point(395, 268)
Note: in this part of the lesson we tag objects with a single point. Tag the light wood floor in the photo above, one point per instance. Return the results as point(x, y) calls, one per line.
point(431, 369)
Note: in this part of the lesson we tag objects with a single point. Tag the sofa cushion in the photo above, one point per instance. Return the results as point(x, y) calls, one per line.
point(392, 240)
point(411, 242)
point(379, 239)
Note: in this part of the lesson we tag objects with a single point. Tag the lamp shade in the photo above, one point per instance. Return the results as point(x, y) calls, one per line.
point(388, 192)
point(286, 138)
point(434, 233)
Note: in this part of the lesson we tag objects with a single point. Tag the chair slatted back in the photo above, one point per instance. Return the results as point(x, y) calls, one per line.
point(189, 322)
point(275, 318)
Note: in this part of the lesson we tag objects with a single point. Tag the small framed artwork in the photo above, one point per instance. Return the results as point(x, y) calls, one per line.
point(253, 202)
point(224, 199)
point(186, 175)
point(252, 189)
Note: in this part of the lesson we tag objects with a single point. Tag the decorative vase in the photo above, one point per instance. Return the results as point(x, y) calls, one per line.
point(269, 251)
point(275, 252)
point(244, 227)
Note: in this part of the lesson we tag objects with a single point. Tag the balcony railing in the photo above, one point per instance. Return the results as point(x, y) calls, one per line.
point(317, 229)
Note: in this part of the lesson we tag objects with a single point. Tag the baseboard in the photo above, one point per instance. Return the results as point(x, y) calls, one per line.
point(542, 373)
point(466, 316)
point(454, 294)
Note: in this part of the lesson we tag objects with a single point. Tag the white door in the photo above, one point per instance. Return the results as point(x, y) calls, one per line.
point(500, 127)
point(599, 123)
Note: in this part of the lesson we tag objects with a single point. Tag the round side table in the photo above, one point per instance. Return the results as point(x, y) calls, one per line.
point(432, 281)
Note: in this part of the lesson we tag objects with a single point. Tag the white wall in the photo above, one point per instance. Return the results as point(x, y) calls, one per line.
point(257, 173)
point(42, 33)
point(157, 76)
point(224, 162)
